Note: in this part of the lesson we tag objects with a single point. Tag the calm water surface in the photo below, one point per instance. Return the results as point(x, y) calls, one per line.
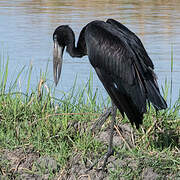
point(26, 29)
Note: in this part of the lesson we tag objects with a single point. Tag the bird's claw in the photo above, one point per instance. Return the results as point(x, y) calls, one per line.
point(105, 157)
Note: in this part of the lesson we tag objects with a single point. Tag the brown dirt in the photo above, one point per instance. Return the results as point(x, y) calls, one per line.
point(26, 164)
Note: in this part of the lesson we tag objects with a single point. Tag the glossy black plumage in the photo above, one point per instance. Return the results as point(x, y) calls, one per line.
point(120, 61)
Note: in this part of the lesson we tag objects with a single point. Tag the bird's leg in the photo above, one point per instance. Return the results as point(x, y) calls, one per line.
point(110, 147)
point(100, 122)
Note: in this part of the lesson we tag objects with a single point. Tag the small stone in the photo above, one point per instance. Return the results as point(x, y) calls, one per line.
point(149, 174)
point(47, 163)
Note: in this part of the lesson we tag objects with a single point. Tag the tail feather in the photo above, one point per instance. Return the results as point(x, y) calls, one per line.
point(126, 105)
point(154, 96)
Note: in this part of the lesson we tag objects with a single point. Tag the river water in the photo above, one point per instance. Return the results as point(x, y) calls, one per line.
point(26, 29)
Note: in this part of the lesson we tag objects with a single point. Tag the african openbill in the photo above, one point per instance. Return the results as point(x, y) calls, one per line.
point(121, 63)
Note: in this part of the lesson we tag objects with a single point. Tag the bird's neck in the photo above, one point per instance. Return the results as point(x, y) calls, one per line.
point(74, 51)
point(81, 49)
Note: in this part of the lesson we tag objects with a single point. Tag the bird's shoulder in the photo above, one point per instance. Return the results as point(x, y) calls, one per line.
point(102, 37)
point(101, 30)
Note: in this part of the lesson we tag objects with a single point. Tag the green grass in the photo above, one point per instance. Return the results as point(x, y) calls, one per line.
point(59, 128)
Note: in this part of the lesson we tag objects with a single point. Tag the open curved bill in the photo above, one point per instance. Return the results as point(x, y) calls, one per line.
point(57, 61)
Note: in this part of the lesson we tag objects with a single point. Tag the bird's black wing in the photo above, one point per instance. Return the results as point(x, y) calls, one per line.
point(143, 63)
point(115, 68)
point(118, 68)
point(134, 42)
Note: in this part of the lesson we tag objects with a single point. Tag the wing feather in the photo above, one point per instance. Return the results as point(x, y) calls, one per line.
point(126, 74)
point(144, 65)
point(115, 68)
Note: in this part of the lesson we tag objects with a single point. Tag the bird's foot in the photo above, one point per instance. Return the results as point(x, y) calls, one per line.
point(105, 157)
point(98, 124)
point(110, 111)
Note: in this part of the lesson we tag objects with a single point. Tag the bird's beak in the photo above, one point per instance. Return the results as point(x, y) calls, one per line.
point(57, 60)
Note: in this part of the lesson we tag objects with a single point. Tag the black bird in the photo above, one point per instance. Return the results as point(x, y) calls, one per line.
point(121, 63)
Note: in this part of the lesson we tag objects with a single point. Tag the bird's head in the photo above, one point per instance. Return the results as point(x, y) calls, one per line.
point(62, 37)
